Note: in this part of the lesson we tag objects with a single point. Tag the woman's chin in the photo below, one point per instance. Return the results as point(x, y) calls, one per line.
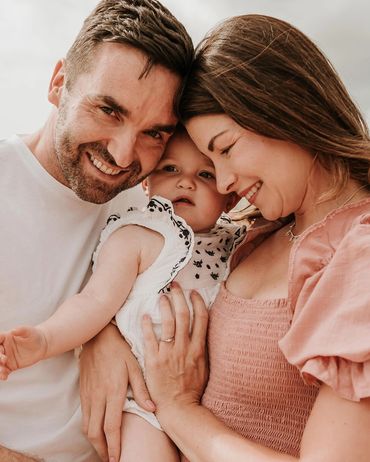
point(270, 215)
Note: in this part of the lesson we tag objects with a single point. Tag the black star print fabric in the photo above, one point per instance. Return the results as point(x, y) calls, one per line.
point(196, 261)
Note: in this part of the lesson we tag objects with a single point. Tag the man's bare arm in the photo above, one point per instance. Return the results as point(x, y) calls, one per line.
point(7, 455)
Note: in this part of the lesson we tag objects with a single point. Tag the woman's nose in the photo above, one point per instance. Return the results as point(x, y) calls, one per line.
point(226, 182)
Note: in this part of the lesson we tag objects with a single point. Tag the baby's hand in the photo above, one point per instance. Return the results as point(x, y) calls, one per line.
point(4, 369)
point(20, 348)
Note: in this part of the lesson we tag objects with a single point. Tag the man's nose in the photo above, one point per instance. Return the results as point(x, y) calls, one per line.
point(122, 148)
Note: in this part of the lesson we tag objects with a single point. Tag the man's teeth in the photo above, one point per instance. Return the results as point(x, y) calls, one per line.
point(103, 168)
point(253, 190)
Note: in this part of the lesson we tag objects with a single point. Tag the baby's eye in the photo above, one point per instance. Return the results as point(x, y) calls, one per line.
point(207, 175)
point(169, 168)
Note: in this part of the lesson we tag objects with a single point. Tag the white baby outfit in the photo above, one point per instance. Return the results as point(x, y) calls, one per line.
point(196, 262)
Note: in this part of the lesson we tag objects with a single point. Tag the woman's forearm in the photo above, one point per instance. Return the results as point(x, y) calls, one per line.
point(203, 438)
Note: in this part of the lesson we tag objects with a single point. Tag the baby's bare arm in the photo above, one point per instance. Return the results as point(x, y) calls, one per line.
point(126, 253)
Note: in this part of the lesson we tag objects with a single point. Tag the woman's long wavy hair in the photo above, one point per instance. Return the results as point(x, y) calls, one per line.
point(271, 79)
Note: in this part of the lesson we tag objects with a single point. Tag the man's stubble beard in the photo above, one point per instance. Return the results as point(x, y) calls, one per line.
point(69, 157)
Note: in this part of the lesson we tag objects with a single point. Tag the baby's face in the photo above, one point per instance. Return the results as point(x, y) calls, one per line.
point(187, 178)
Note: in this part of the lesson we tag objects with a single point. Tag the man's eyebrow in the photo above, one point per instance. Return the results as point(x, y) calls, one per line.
point(211, 144)
point(164, 128)
point(112, 103)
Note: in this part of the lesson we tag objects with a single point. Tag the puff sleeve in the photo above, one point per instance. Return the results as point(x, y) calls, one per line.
point(329, 337)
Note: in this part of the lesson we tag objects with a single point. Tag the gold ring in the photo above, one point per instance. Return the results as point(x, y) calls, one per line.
point(167, 340)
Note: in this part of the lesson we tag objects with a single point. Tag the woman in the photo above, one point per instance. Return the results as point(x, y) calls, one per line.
point(288, 336)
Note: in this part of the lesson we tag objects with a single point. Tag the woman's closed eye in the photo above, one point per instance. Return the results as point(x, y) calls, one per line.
point(225, 151)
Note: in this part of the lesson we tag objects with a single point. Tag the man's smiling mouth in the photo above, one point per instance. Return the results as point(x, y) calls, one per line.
point(108, 170)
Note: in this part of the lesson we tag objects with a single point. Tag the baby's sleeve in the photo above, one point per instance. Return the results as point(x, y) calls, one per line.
point(329, 338)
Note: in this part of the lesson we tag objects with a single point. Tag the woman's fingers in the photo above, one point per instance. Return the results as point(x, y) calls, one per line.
point(200, 322)
point(150, 340)
point(182, 315)
point(167, 321)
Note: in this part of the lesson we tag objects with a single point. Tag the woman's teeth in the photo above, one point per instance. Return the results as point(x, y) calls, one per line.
point(253, 190)
point(103, 168)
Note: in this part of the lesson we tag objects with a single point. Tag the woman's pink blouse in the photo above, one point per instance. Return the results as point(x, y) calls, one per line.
point(329, 293)
point(267, 357)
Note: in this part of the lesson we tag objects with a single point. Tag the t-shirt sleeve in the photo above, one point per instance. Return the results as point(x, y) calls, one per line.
point(329, 338)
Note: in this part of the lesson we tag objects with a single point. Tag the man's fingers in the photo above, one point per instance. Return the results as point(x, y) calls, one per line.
point(85, 409)
point(112, 426)
point(139, 388)
point(95, 433)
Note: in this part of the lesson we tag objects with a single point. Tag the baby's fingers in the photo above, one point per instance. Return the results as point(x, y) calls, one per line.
point(23, 331)
point(4, 371)
point(3, 357)
point(2, 340)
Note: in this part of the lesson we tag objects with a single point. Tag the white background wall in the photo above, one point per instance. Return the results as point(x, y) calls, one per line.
point(35, 33)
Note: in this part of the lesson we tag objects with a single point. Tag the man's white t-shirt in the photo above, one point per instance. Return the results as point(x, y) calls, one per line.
point(47, 237)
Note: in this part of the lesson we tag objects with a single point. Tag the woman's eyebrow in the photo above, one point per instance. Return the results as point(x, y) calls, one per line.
point(211, 144)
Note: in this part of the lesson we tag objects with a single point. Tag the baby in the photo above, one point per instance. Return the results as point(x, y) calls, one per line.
point(175, 238)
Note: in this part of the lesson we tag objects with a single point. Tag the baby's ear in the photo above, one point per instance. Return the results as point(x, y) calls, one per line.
point(232, 200)
point(145, 187)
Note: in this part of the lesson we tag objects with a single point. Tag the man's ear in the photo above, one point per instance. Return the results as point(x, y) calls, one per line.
point(57, 83)
point(232, 200)
point(145, 187)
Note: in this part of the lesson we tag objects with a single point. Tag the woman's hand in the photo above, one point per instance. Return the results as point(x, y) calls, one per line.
point(107, 367)
point(176, 370)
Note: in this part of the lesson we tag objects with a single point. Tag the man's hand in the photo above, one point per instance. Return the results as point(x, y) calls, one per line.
point(107, 367)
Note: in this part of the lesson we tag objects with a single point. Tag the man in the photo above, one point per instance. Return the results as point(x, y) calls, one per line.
point(114, 99)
